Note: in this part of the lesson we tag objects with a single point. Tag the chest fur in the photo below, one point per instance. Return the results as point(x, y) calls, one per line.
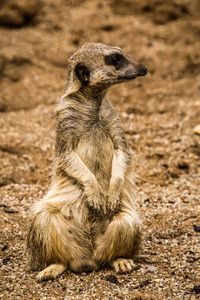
point(95, 148)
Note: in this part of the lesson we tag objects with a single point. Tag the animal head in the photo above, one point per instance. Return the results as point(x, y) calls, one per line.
point(98, 66)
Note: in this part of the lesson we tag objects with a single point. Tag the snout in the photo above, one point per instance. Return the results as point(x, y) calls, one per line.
point(142, 70)
point(132, 71)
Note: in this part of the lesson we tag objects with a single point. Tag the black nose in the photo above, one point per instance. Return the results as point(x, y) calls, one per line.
point(142, 70)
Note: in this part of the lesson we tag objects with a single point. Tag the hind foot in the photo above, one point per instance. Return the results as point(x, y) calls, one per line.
point(51, 272)
point(123, 265)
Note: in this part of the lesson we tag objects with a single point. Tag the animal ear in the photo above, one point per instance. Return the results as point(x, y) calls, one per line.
point(83, 73)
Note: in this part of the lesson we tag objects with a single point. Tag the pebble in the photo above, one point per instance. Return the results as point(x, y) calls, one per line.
point(196, 289)
point(151, 269)
point(196, 129)
point(9, 210)
point(112, 279)
point(197, 228)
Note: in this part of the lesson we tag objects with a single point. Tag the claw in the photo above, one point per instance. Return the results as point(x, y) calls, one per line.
point(122, 265)
point(113, 204)
point(50, 272)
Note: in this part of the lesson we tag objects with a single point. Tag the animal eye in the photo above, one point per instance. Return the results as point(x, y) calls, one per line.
point(116, 59)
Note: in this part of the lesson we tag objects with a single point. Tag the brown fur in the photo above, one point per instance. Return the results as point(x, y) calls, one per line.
point(88, 217)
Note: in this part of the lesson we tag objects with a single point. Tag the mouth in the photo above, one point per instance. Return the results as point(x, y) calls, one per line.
point(126, 77)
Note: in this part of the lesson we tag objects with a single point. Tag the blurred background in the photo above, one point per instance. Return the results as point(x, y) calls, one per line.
point(160, 114)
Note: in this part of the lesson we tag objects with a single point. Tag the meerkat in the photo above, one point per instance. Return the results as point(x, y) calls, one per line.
point(88, 217)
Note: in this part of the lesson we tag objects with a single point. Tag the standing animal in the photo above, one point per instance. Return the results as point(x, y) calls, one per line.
point(88, 217)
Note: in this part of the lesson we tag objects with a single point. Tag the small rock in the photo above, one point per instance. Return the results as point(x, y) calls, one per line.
point(3, 205)
point(107, 27)
point(144, 283)
point(112, 279)
point(196, 289)
point(174, 174)
point(151, 269)
point(10, 210)
point(6, 260)
point(133, 110)
point(196, 129)
point(4, 247)
point(183, 165)
point(197, 228)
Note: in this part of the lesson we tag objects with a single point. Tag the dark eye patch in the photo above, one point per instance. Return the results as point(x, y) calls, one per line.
point(116, 59)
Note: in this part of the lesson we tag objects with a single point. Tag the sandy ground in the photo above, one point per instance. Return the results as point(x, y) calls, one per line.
point(159, 114)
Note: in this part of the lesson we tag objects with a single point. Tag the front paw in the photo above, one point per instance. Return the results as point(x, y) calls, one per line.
point(114, 203)
point(93, 203)
point(94, 200)
point(114, 196)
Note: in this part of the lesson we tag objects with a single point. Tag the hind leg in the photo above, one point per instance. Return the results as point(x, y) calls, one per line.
point(51, 272)
point(119, 242)
point(59, 237)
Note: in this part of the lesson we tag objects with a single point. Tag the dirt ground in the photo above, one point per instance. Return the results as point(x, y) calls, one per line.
point(159, 113)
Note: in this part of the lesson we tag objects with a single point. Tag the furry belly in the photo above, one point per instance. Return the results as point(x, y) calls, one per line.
point(96, 151)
